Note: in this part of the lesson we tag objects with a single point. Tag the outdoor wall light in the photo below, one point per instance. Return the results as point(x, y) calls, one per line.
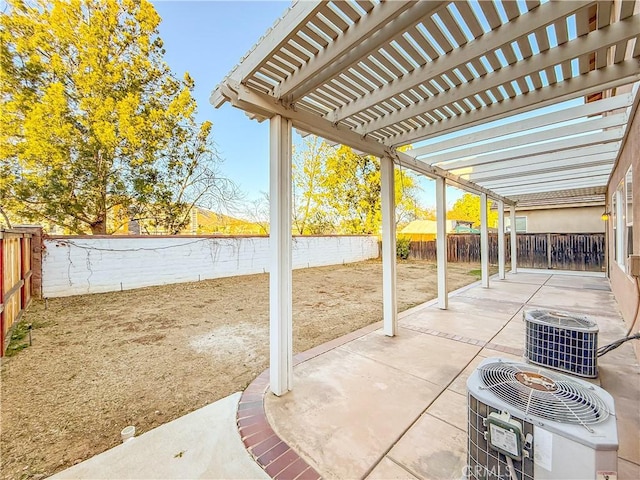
point(605, 216)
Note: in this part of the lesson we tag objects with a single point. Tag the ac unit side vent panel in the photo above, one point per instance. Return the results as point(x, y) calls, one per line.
point(484, 462)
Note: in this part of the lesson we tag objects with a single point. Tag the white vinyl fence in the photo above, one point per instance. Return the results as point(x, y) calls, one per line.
point(80, 265)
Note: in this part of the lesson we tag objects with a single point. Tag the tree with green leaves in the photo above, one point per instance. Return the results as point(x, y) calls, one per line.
point(467, 208)
point(336, 190)
point(352, 191)
point(309, 175)
point(94, 128)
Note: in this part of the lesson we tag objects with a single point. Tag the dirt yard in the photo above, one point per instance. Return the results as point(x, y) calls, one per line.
point(145, 357)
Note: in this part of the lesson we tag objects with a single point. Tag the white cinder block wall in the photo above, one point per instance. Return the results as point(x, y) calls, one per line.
point(77, 266)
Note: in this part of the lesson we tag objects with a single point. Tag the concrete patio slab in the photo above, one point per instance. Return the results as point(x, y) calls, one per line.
point(623, 382)
point(451, 407)
point(572, 281)
point(479, 325)
point(336, 431)
point(489, 353)
point(620, 356)
point(512, 335)
point(563, 273)
point(587, 301)
point(533, 278)
point(459, 385)
point(328, 417)
point(432, 449)
point(504, 308)
point(202, 444)
point(626, 470)
point(437, 360)
point(503, 290)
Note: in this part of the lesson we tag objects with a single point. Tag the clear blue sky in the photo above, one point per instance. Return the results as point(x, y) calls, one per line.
point(206, 39)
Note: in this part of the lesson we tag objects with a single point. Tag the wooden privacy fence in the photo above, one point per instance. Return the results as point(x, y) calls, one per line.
point(562, 251)
point(15, 280)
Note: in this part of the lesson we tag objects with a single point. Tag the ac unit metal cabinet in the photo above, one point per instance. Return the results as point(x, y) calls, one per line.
point(567, 426)
point(562, 341)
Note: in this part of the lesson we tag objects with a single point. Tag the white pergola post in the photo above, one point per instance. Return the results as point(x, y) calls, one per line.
point(441, 241)
point(389, 300)
point(514, 239)
point(501, 259)
point(280, 279)
point(484, 241)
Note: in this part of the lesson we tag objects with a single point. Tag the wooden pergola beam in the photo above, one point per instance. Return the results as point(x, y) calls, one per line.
point(265, 106)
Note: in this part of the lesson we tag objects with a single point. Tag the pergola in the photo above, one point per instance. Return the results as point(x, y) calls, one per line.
point(517, 101)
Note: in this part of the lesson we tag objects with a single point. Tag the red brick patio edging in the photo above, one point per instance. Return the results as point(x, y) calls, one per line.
point(273, 454)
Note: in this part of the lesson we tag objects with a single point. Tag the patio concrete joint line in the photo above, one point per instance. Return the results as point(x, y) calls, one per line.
point(418, 417)
point(404, 467)
point(467, 340)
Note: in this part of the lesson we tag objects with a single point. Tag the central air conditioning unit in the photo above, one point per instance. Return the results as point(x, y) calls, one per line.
point(562, 341)
point(527, 423)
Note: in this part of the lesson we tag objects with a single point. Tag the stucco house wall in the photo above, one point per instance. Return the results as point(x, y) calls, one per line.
point(573, 219)
point(624, 286)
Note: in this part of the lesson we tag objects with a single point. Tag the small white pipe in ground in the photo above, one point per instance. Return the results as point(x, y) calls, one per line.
point(127, 433)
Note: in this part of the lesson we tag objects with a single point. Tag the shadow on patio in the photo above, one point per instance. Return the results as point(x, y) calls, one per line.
point(367, 405)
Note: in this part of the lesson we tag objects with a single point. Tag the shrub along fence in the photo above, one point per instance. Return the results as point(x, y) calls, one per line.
point(561, 251)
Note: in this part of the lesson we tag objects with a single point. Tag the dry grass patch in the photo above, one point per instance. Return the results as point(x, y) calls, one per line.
point(145, 357)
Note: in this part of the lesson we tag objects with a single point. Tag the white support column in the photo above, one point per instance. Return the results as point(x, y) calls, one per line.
point(280, 279)
point(484, 241)
point(501, 272)
point(514, 240)
point(389, 307)
point(441, 241)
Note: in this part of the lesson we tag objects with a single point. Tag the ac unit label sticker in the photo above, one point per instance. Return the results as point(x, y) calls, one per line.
point(504, 439)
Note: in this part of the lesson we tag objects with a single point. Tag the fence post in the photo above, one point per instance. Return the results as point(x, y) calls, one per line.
point(36, 257)
point(549, 251)
point(14, 278)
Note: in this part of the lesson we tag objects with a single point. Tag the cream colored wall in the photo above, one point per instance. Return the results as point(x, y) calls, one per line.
point(623, 286)
point(564, 220)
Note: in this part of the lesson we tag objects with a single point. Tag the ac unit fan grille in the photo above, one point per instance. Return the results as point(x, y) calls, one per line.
point(562, 319)
point(543, 393)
